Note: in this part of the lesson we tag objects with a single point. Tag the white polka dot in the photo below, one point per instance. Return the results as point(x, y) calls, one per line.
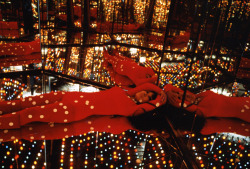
point(1, 139)
point(1, 112)
point(92, 107)
point(87, 102)
point(66, 112)
point(8, 102)
point(29, 116)
point(12, 137)
point(247, 101)
point(60, 104)
point(13, 113)
point(66, 136)
point(41, 96)
point(5, 131)
point(157, 104)
point(65, 120)
point(54, 110)
point(76, 101)
point(91, 128)
point(65, 129)
point(109, 126)
point(11, 123)
point(32, 137)
point(42, 137)
point(33, 103)
point(30, 99)
point(13, 104)
point(63, 92)
point(246, 129)
point(242, 110)
point(64, 107)
point(46, 101)
point(30, 128)
point(41, 116)
point(184, 105)
point(81, 96)
point(89, 122)
point(42, 107)
point(55, 93)
point(246, 106)
point(230, 128)
point(51, 124)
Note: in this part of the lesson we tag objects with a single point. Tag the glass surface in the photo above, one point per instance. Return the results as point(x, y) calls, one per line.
point(195, 46)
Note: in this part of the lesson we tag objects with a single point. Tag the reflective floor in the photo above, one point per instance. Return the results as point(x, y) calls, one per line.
point(58, 46)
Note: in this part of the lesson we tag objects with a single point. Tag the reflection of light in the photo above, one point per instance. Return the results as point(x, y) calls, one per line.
point(219, 90)
point(44, 50)
point(142, 59)
point(16, 68)
point(164, 64)
point(99, 48)
point(233, 135)
point(89, 89)
point(73, 87)
point(133, 50)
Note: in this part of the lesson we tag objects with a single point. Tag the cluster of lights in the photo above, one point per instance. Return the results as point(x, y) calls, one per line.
point(22, 154)
point(114, 151)
point(221, 150)
point(176, 74)
point(11, 89)
point(53, 59)
point(130, 148)
point(161, 10)
point(97, 150)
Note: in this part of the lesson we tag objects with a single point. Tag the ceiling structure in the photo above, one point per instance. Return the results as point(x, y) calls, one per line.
point(195, 45)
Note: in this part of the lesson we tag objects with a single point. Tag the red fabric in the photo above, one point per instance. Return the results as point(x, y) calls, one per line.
point(9, 29)
point(226, 125)
point(120, 80)
point(66, 107)
point(20, 60)
point(129, 68)
point(222, 107)
point(215, 105)
point(23, 48)
point(44, 131)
